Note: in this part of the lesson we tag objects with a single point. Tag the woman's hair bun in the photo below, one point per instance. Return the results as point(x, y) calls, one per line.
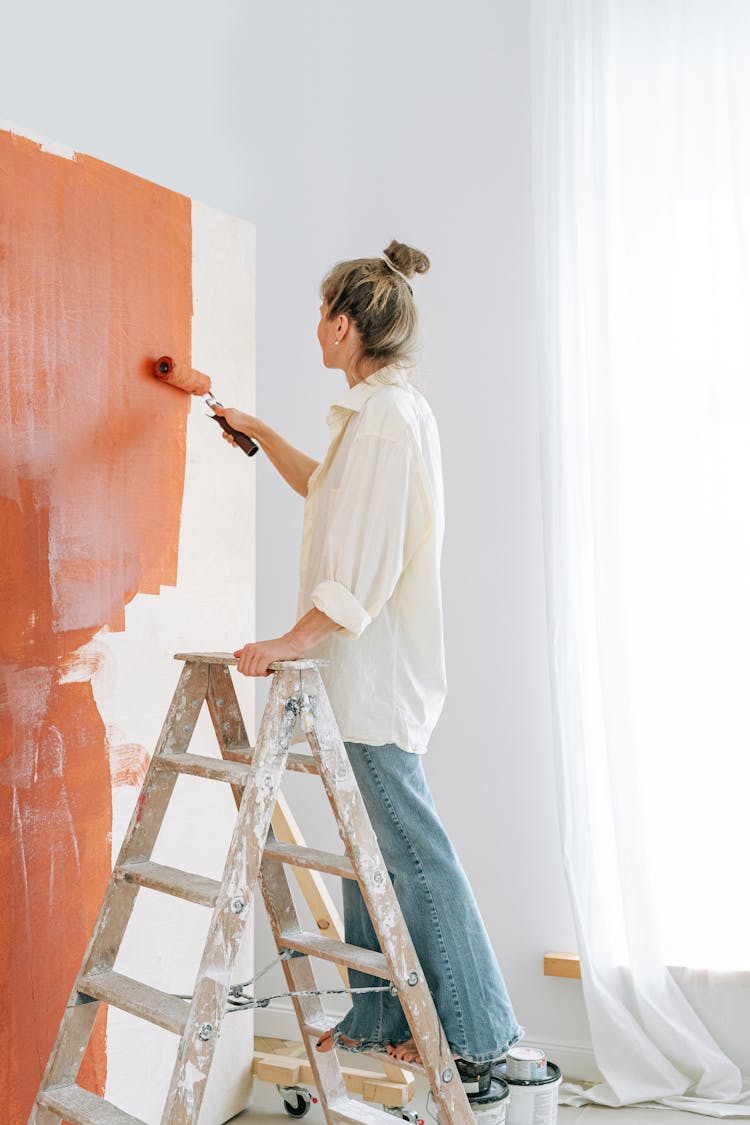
point(407, 259)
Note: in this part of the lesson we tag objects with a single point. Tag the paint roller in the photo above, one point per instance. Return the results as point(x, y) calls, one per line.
point(196, 383)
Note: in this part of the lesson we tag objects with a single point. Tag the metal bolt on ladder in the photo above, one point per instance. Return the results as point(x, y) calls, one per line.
point(255, 857)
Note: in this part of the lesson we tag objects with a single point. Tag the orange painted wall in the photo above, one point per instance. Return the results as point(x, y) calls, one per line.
point(95, 276)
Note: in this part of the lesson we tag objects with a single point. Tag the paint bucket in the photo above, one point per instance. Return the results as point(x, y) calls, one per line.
point(533, 1101)
point(491, 1108)
point(526, 1063)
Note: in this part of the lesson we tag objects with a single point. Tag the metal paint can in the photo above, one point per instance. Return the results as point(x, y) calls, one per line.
point(533, 1101)
point(526, 1063)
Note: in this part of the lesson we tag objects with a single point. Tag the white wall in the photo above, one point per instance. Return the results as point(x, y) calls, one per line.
point(336, 126)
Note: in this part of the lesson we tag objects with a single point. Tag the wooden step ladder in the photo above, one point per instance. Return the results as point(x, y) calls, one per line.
point(255, 856)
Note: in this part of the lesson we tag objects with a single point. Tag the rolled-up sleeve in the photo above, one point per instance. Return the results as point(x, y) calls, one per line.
point(375, 521)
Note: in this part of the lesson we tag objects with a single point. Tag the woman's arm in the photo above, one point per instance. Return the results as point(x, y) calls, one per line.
point(253, 659)
point(294, 466)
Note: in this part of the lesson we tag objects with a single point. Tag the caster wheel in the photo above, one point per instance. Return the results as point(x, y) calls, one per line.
point(404, 1114)
point(296, 1100)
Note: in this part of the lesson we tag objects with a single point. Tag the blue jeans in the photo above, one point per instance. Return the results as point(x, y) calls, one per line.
point(441, 915)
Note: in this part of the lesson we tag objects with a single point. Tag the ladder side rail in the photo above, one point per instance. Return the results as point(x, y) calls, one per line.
point(158, 785)
point(231, 734)
point(41, 1115)
point(300, 976)
point(380, 898)
point(226, 716)
point(329, 1077)
point(78, 1019)
point(323, 909)
point(232, 911)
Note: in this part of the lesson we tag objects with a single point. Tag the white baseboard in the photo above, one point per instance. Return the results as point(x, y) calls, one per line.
point(577, 1064)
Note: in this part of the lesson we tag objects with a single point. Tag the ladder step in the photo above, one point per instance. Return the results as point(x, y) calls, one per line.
point(302, 763)
point(81, 1107)
point(353, 956)
point(316, 1030)
point(357, 1113)
point(299, 763)
point(310, 857)
point(233, 769)
point(215, 769)
point(172, 881)
point(137, 998)
point(230, 660)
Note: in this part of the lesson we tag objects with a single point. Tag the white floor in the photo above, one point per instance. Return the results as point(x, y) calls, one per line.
point(267, 1110)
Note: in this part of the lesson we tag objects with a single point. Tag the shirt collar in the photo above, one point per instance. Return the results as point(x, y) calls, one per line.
point(393, 374)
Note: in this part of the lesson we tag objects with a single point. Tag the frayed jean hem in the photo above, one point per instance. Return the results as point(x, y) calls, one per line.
point(359, 1045)
point(362, 1045)
point(486, 1056)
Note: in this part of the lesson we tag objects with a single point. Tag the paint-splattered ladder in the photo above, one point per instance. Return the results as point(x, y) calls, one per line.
point(255, 855)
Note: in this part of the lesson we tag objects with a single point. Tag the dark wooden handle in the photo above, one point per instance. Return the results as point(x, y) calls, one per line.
point(246, 444)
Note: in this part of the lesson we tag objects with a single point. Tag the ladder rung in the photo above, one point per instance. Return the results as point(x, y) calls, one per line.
point(302, 763)
point(299, 763)
point(215, 769)
point(232, 769)
point(357, 1113)
point(137, 998)
point(316, 1030)
point(172, 881)
point(353, 956)
point(310, 857)
point(81, 1107)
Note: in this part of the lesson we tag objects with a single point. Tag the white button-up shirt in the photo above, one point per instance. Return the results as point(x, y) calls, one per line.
point(371, 542)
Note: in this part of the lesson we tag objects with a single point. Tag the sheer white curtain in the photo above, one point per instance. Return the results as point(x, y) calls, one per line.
point(641, 147)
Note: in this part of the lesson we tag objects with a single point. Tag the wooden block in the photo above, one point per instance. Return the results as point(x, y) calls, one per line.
point(284, 1070)
point(562, 965)
point(386, 1093)
point(273, 1068)
point(306, 1075)
point(356, 1113)
point(352, 1080)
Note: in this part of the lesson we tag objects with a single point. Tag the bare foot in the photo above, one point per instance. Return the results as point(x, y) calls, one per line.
point(407, 1052)
point(325, 1043)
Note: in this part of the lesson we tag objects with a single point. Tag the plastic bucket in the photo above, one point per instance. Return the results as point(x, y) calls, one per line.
point(492, 1107)
point(532, 1101)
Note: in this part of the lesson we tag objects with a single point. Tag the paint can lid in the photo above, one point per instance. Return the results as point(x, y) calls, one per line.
point(553, 1073)
point(525, 1054)
point(497, 1092)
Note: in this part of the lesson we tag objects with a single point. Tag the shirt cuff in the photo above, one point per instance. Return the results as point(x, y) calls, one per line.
point(338, 603)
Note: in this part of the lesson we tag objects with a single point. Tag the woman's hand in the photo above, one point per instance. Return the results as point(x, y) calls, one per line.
point(255, 658)
point(238, 420)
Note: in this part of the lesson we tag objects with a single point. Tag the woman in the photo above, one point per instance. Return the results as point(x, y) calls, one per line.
point(370, 603)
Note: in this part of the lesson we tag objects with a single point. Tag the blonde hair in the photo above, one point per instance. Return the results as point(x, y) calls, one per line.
point(379, 303)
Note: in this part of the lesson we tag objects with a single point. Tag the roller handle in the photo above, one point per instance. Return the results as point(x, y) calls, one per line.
point(246, 444)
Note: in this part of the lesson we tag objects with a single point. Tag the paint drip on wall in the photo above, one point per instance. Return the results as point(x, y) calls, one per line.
point(96, 269)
